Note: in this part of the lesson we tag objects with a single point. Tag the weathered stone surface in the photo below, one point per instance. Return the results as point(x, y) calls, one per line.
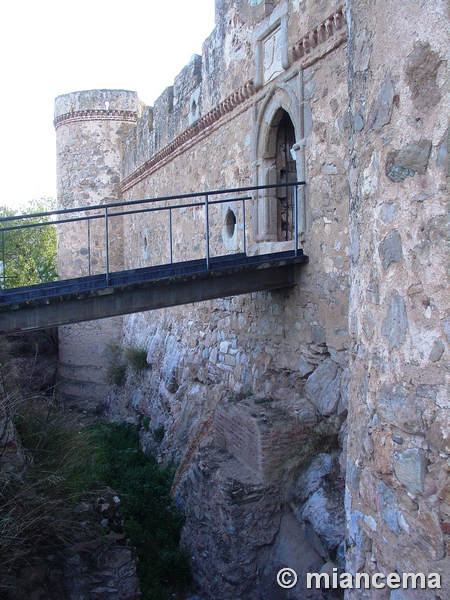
point(373, 292)
point(422, 66)
point(443, 158)
point(390, 249)
point(395, 334)
point(399, 407)
point(428, 532)
point(446, 327)
point(358, 123)
point(230, 514)
point(410, 468)
point(353, 474)
point(395, 326)
point(322, 387)
point(408, 161)
point(439, 433)
point(325, 512)
point(437, 350)
point(291, 548)
point(363, 50)
point(415, 156)
point(388, 211)
point(310, 481)
point(381, 111)
point(389, 507)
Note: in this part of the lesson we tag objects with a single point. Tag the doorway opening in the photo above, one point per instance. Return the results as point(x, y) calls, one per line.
point(286, 173)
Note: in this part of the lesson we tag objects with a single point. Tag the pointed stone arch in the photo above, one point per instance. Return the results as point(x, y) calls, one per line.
point(282, 103)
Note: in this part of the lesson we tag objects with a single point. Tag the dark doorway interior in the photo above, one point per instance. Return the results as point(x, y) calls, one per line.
point(286, 173)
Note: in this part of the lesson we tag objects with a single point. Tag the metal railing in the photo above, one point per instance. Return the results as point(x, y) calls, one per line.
point(106, 212)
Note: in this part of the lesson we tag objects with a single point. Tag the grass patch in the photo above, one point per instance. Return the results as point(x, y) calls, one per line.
point(39, 496)
point(117, 374)
point(136, 358)
point(263, 400)
point(120, 359)
point(60, 467)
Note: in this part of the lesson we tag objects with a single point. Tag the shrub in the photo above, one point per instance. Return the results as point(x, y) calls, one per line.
point(137, 358)
point(158, 434)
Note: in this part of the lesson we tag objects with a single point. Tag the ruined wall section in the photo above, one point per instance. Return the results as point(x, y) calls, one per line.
point(398, 503)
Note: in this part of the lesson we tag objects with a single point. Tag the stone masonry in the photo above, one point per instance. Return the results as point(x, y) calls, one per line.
point(89, 129)
point(340, 381)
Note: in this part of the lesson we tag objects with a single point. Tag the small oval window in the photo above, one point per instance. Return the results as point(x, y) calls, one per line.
point(230, 223)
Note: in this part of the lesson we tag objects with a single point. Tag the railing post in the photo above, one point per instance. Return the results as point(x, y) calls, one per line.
point(295, 220)
point(170, 235)
point(89, 246)
point(243, 225)
point(207, 231)
point(107, 246)
point(3, 259)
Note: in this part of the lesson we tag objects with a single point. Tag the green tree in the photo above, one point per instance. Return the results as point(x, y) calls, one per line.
point(28, 255)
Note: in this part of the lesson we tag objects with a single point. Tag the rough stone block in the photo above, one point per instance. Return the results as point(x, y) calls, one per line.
point(408, 161)
point(353, 474)
point(395, 327)
point(410, 467)
point(381, 111)
point(325, 512)
point(439, 433)
point(389, 507)
point(310, 481)
point(322, 387)
point(390, 249)
point(422, 67)
point(400, 408)
point(437, 350)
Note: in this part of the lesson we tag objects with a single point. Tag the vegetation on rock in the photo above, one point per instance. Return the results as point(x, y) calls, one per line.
point(49, 467)
point(150, 517)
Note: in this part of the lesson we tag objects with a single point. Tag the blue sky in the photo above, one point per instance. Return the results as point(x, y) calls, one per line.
point(50, 48)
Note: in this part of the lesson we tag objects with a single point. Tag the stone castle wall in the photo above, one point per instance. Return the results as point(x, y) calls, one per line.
point(365, 329)
point(90, 127)
point(397, 487)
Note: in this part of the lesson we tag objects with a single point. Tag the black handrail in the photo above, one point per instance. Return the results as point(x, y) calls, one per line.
point(106, 213)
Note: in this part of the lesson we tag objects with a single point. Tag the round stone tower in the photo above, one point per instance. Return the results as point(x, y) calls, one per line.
point(91, 127)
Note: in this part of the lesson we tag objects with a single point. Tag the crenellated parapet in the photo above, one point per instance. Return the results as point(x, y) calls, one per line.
point(189, 136)
point(176, 121)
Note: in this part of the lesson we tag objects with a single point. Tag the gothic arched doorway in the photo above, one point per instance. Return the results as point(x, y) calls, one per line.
point(278, 159)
